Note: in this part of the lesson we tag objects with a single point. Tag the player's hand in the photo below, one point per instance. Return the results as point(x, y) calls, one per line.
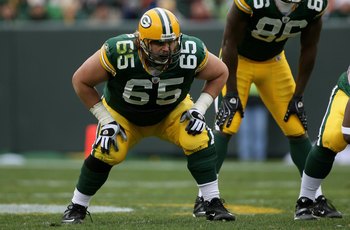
point(296, 106)
point(197, 121)
point(230, 104)
point(108, 136)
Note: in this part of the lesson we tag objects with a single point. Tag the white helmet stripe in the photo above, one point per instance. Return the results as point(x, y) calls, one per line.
point(164, 18)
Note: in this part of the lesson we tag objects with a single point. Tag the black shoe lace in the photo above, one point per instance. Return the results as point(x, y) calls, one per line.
point(219, 203)
point(327, 203)
point(88, 213)
point(79, 209)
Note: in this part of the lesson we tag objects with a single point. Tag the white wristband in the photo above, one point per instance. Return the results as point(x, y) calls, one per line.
point(203, 102)
point(101, 113)
point(345, 130)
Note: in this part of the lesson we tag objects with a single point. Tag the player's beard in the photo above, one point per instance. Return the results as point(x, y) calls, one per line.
point(152, 68)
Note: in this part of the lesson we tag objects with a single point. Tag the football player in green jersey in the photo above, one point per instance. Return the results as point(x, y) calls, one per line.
point(253, 50)
point(333, 137)
point(148, 75)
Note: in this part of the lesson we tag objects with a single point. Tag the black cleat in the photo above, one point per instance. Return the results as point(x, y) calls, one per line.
point(199, 207)
point(215, 210)
point(75, 214)
point(324, 208)
point(304, 209)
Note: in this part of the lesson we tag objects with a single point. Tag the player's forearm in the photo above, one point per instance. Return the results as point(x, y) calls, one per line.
point(210, 91)
point(91, 99)
point(308, 51)
point(101, 113)
point(231, 83)
point(203, 103)
point(230, 58)
point(215, 85)
point(306, 65)
point(236, 26)
point(87, 94)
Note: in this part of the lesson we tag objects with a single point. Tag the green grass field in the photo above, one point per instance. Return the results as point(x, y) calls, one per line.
point(159, 194)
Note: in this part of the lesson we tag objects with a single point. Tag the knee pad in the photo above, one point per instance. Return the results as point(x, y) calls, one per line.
point(192, 144)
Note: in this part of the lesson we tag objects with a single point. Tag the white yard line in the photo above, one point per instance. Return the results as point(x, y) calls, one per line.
point(40, 208)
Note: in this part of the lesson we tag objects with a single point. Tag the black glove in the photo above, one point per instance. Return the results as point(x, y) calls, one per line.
point(108, 136)
point(230, 104)
point(197, 121)
point(296, 106)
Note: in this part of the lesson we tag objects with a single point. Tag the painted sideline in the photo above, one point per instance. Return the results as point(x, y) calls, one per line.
point(39, 208)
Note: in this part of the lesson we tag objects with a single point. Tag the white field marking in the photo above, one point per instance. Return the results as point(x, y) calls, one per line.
point(47, 183)
point(11, 159)
point(38, 208)
point(41, 208)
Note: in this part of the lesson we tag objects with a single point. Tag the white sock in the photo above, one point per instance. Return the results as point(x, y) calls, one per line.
point(319, 192)
point(309, 185)
point(200, 192)
point(79, 198)
point(210, 190)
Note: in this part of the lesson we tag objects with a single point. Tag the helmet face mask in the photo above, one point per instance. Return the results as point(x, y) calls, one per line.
point(160, 38)
point(157, 55)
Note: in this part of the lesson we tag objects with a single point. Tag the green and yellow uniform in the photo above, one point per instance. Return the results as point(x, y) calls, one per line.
point(330, 133)
point(269, 29)
point(146, 105)
point(261, 57)
point(330, 137)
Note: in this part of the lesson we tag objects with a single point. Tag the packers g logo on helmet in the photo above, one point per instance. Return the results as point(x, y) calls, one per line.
point(159, 25)
point(146, 21)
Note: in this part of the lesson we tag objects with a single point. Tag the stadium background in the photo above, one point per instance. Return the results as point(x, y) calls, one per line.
point(39, 111)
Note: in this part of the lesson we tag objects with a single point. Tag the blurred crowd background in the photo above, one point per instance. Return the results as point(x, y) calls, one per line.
point(72, 11)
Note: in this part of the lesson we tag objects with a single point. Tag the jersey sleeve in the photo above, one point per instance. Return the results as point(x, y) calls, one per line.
point(106, 53)
point(202, 55)
point(242, 5)
point(324, 5)
point(343, 83)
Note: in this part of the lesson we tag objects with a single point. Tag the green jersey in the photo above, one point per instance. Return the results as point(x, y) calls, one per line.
point(269, 29)
point(141, 98)
point(344, 83)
